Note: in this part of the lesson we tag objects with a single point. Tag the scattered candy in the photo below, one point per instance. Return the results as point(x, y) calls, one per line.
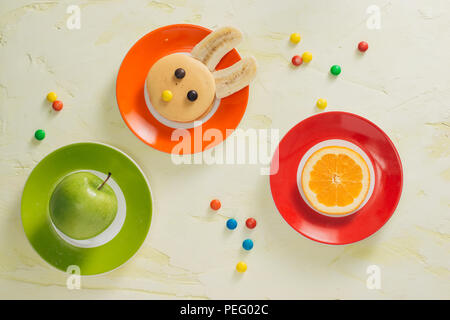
point(250, 223)
point(295, 38)
point(247, 244)
point(241, 266)
point(307, 56)
point(335, 70)
point(297, 60)
point(52, 97)
point(39, 134)
point(215, 204)
point(167, 95)
point(321, 104)
point(180, 73)
point(192, 95)
point(57, 105)
point(231, 224)
point(363, 46)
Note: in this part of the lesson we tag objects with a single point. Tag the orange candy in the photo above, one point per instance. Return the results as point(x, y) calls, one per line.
point(215, 204)
point(57, 105)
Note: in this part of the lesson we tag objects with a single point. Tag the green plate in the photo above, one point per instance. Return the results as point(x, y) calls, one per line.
point(35, 208)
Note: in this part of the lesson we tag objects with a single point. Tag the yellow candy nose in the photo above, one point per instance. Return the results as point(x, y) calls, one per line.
point(167, 95)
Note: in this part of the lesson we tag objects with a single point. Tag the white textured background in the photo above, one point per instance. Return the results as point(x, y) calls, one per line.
point(401, 83)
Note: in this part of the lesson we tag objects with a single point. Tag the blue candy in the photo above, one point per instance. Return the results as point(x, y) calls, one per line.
point(231, 224)
point(247, 244)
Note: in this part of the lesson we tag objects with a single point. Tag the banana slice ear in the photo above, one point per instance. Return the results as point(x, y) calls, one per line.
point(215, 45)
point(236, 77)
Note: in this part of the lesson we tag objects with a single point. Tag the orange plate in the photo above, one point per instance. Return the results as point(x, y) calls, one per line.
point(130, 89)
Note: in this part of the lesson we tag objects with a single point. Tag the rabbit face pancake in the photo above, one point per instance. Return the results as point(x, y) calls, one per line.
point(181, 88)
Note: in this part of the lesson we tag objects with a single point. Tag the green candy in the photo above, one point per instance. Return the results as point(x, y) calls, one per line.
point(335, 70)
point(39, 134)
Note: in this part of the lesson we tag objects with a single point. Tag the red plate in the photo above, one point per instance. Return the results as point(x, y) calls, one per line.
point(130, 89)
point(388, 178)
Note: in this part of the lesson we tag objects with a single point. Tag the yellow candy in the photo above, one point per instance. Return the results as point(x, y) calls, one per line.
point(52, 97)
point(167, 95)
point(295, 38)
point(307, 56)
point(321, 104)
point(241, 266)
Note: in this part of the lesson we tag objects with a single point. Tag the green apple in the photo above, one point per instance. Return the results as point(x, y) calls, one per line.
point(83, 205)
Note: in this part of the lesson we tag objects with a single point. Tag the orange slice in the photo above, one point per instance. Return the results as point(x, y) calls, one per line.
point(335, 180)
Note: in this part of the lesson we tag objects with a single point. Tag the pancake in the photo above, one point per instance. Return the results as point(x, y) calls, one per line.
point(197, 77)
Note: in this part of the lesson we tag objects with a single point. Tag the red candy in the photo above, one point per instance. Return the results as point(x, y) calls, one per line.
point(297, 60)
point(363, 46)
point(215, 204)
point(57, 105)
point(250, 223)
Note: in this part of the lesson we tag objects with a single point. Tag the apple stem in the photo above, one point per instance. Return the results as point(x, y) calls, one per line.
point(101, 186)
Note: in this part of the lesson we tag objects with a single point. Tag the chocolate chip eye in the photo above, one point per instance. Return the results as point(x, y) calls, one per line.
point(180, 73)
point(192, 95)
